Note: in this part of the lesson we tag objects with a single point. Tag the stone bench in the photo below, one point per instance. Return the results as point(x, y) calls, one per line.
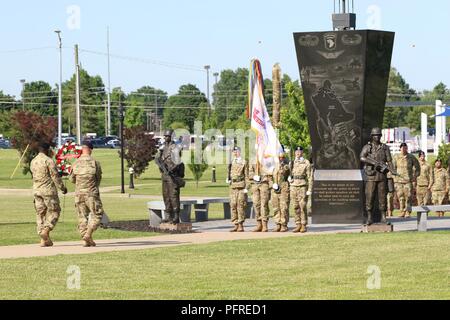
point(422, 214)
point(201, 208)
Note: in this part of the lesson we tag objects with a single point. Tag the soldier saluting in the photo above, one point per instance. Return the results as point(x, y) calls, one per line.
point(172, 174)
point(377, 160)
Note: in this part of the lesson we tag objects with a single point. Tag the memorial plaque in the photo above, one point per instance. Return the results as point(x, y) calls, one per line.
point(344, 77)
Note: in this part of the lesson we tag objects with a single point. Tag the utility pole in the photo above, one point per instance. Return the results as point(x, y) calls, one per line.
point(216, 76)
point(207, 68)
point(109, 87)
point(23, 93)
point(122, 142)
point(58, 32)
point(77, 95)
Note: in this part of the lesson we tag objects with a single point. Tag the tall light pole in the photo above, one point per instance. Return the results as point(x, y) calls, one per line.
point(216, 76)
point(23, 93)
point(207, 68)
point(109, 88)
point(58, 32)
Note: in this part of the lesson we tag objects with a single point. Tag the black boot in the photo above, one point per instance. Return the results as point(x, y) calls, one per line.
point(176, 219)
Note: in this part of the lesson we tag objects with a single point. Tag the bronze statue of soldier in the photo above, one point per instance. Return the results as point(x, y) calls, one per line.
point(377, 160)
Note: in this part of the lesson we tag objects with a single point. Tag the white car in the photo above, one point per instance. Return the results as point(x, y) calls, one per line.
point(113, 143)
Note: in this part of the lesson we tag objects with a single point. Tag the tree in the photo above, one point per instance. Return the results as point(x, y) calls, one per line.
point(184, 107)
point(92, 100)
point(145, 100)
point(399, 91)
point(439, 92)
point(231, 94)
point(40, 97)
point(197, 166)
point(7, 108)
point(140, 149)
point(29, 129)
point(294, 129)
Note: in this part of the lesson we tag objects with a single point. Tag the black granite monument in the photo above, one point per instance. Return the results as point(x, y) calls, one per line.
point(344, 76)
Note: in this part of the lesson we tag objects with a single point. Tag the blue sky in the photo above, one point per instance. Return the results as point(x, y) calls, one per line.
point(223, 34)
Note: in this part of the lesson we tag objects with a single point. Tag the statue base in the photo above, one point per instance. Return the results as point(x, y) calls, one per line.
point(378, 228)
point(173, 228)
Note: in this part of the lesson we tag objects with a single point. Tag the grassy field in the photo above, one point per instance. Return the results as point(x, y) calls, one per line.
point(17, 220)
point(412, 266)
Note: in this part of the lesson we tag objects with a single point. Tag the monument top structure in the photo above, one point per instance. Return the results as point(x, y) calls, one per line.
point(344, 19)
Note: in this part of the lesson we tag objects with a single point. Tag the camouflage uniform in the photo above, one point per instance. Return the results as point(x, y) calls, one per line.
point(280, 199)
point(440, 187)
point(408, 169)
point(424, 183)
point(238, 196)
point(301, 185)
point(87, 175)
point(46, 180)
point(261, 194)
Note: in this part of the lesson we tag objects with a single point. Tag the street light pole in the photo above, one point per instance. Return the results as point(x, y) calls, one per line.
point(122, 154)
point(207, 68)
point(58, 32)
point(23, 93)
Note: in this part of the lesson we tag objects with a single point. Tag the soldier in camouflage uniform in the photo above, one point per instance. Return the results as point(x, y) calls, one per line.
point(170, 157)
point(261, 186)
point(86, 175)
point(425, 181)
point(46, 181)
point(440, 188)
point(301, 182)
point(280, 194)
point(408, 169)
point(238, 181)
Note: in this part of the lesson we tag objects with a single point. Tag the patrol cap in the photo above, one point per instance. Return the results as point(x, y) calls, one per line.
point(299, 149)
point(438, 160)
point(168, 133)
point(421, 153)
point(44, 146)
point(376, 132)
point(403, 145)
point(88, 143)
point(236, 149)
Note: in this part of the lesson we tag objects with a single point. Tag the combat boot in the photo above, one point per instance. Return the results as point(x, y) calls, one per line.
point(297, 229)
point(265, 228)
point(284, 229)
point(303, 229)
point(240, 227)
point(45, 238)
point(87, 239)
point(259, 227)
point(277, 229)
point(236, 227)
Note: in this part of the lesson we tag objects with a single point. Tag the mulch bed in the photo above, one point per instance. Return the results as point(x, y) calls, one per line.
point(138, 226)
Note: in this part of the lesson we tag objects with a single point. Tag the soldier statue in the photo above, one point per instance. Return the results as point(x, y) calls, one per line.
point(172, 174)
point(377, 160)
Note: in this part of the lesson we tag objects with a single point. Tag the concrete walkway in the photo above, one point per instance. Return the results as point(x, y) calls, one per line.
point(206, 232)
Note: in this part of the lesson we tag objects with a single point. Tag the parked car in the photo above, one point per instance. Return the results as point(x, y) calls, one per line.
point(99, 143)
point(5, 144)
point(113, 144)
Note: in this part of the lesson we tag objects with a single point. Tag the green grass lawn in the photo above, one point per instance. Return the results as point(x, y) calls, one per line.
point(18, 226)
point(412, 265)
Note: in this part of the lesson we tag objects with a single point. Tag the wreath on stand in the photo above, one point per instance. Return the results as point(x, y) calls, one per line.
point(65, 157)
